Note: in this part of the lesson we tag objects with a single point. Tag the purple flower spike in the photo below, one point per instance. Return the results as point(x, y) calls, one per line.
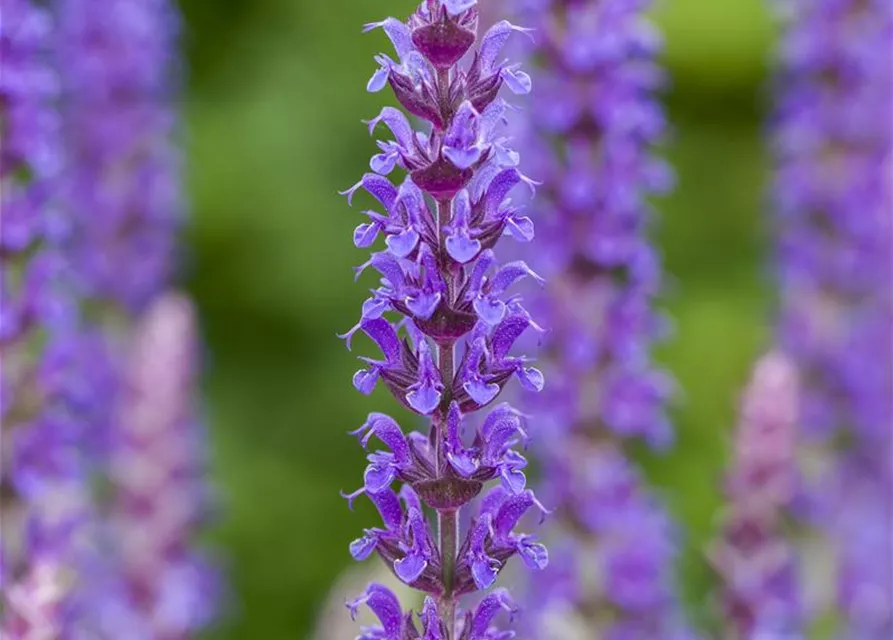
point(91, 206)
point(446, 322)
point(119, 82)
point(592, 129)
point(49, 380)
point(157, 433)
point(835, 279)
point(753, 558)
point(118, 79)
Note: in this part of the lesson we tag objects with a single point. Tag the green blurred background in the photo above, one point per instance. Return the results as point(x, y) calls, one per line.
point(274, 106)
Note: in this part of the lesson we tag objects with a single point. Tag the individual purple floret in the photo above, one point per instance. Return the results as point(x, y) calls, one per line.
point(591, 129)
point(449, 352)
point(160, 588)
point(760, 590)
point(118, 60)
point(833, 204)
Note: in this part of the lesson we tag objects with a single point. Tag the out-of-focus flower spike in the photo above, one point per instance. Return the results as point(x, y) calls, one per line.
point(592, 127)
point(47, 384)
point(120, 76)
point(835, 275)
point(760, 586)
point(163, 586)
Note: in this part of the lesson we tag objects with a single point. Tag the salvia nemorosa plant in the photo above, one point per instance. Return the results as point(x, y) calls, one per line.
point(444, 289)
point(120, 85)
point(38, 337)
point(159, 587)
point(90, 211)
point(760, 593)
point(591, 130)
point(834, 215)
point(122, 194)
point(119, 191)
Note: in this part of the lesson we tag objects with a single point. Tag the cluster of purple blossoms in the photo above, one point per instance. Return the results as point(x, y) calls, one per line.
point(591, 129)
point(441, 275)
point(122, 193)
point(159, 587)
point(90, 209)
point(38, 336)
point(119, 65)
point(119, 189)
point(833, 145)
point(760, 590)
point(834, 215)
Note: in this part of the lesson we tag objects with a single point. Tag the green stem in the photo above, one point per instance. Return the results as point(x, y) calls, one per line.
point(447, 521)
point(448, 525)
point(446, 357)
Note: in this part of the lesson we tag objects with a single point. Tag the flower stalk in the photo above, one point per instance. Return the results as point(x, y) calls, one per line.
point(160, 586)
point(833, 216)
point(90, 207)
point(445, 326)
point(41, 472)
point(591, 129)
point(760, 594)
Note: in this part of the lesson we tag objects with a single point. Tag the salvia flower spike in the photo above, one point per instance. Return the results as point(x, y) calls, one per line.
point(590, 129)
point(833, 197)
point(160, 587)
point(90, 210)
point(760, 588)
point(445, 319)
point(41, 475)
point(120, 78)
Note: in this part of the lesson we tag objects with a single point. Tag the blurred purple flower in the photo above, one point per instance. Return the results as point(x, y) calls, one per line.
point(460, 322)
point(833, 206)
point(760, 589)
point(591, 130)
point(160, 587)
point(118, 63)
point(89, 202)
point(832, 199)
point(29, 169)
point(41, 394)
point(33, 604)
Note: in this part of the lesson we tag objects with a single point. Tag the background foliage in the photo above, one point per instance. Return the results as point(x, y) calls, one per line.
point(276, 95)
